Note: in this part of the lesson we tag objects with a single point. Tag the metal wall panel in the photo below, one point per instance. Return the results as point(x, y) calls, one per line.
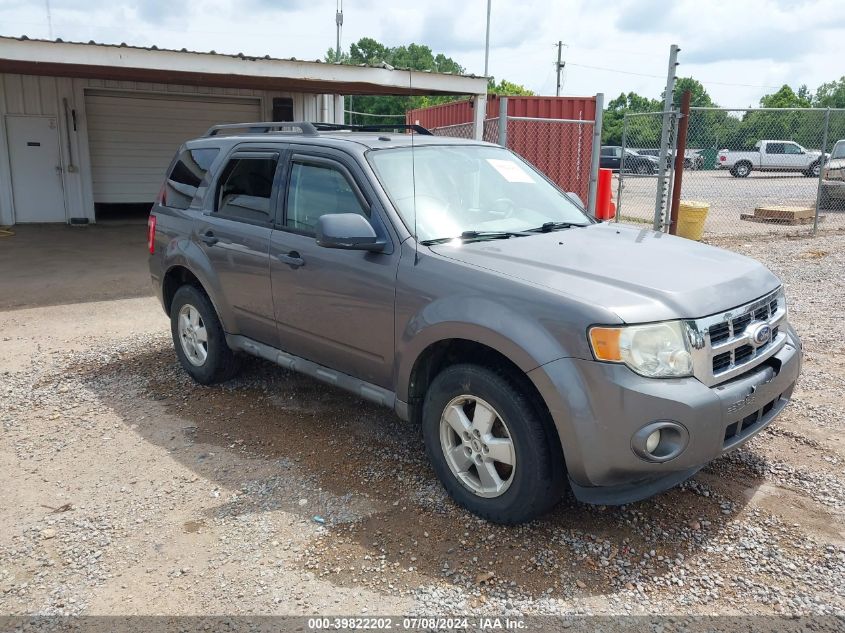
point(132, 137)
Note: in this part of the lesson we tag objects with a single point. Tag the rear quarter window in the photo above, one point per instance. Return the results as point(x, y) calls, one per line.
point(187, 175)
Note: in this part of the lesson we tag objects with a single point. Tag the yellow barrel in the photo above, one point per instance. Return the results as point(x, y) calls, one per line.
point(691, 217)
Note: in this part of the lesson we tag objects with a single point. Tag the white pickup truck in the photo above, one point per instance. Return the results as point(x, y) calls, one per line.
point(772, 156)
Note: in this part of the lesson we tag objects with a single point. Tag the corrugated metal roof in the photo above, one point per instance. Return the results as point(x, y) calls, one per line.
point(383, 65)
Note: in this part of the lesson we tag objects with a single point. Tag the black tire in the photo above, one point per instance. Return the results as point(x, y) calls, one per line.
point(220, 364)
point(643, 169)
point(814, 170)
point(741, 170)
point(538, 476)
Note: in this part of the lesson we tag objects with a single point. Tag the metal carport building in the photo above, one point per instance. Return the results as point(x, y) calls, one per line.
point(83, 126)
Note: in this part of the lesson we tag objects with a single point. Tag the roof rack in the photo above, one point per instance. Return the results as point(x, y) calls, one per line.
point(374, 127)
point(287, 127)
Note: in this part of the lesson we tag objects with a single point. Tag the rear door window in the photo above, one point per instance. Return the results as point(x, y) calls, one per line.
point(774, 148)
point(187, 175)
point(245, 188)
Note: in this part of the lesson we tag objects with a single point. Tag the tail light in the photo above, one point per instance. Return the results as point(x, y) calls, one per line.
point(151, 234)
point(723, 158)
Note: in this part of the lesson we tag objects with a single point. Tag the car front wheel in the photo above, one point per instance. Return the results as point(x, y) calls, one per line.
point(199, 339)
point(489, 446)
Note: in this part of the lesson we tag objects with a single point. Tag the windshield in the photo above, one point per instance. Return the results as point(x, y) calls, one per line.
point(469, 188)
point(838, 150)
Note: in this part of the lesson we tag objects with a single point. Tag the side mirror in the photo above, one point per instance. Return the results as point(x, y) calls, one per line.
point(348, 231)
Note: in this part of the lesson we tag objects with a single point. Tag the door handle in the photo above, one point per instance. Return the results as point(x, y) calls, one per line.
point(209, 238)
point(292, 259)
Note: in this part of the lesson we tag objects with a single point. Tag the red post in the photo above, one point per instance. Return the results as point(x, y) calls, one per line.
point(683, 126)
point(605, 209)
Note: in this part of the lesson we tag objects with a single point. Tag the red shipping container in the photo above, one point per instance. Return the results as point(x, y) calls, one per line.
point(562, 151)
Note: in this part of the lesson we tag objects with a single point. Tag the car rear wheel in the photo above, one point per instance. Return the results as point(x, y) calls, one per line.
point(199, 339)
point(489, 446)
point(643, 169)
point(741, 170)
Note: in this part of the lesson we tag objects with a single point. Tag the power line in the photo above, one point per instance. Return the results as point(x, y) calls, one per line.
point(628, 72)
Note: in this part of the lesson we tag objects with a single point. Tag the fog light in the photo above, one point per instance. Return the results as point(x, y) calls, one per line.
point(660, 441)
point(652, 442)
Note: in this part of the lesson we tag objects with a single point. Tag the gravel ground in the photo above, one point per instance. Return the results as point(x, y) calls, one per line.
point(136, 491)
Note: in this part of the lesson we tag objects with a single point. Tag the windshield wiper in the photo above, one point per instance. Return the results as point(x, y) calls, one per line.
point(555, 226)
point(475, 236)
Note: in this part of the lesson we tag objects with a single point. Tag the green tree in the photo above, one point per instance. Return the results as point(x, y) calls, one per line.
point(506, 88)
point(614, 117)
point(786, 97)
point(831, 94)
point(699, 98)
point(414, 56)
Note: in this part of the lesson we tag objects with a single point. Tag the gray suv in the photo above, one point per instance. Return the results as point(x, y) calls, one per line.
point(451, 281)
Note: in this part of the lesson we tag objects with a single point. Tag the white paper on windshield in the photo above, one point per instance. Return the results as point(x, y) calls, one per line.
point(510, 170)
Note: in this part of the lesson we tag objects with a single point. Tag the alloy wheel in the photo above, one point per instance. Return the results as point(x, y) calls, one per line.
point(478, 446)
point(193, 335)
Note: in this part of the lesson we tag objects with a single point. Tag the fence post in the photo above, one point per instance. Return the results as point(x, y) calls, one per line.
point(668, 101)
point(480, 113)
point(503, 121)
point(680, 159)
point(821, 170)
point(621, 167)
point(594, 163)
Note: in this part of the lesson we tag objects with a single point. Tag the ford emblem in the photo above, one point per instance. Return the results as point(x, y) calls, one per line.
point(759, 333)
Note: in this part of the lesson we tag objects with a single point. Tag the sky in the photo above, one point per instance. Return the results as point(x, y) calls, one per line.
point(739, 49)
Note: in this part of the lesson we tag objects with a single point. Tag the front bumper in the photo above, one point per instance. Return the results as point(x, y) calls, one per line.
point(834, 188)
point(599, 407)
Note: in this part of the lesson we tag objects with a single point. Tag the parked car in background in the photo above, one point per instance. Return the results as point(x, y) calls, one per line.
point(832, 194)
point(771, 156)
point(692, 158)
point(451, 281)
point(611, 158)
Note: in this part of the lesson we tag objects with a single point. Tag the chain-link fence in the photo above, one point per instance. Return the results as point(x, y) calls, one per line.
point(560, 148)
point(467, 130)
point(758, 171)
point(761, 170)
point(637, 168)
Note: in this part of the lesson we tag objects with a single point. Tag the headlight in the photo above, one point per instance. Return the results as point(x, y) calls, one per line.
point(657, 350)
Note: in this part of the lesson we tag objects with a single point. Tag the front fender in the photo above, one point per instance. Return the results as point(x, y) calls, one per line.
point(515, 335)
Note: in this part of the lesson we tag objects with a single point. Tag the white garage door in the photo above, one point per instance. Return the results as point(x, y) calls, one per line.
point(132, 137)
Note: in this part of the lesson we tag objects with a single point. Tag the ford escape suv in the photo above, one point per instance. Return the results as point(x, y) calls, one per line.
point(449, 280)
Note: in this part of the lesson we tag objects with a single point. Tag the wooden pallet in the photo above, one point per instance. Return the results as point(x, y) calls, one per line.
point(782, 215)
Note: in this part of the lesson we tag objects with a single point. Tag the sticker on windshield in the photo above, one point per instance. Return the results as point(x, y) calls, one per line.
point(510, 170)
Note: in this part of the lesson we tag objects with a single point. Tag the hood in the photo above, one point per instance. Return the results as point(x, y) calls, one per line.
point(639, 274)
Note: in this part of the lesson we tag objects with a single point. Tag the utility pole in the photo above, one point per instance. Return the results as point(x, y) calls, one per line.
point(338, 18)
point(487, 41)
point(660, 219)
point(560, 66)
point(49, 19)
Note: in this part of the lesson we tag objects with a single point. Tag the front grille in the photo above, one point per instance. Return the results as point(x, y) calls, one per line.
point(725, 348)
point(742, 354)
point(719, 332)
